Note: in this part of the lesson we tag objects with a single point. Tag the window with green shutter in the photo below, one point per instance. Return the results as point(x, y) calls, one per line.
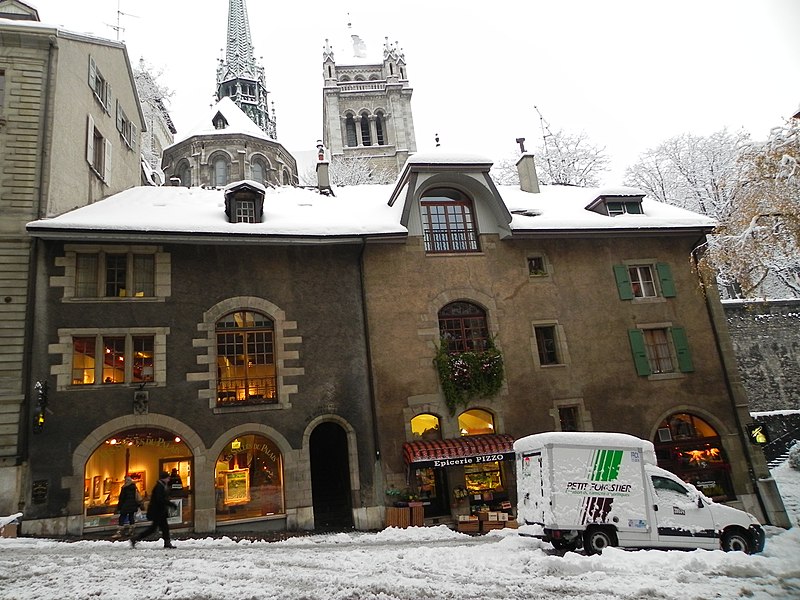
point(644, 280)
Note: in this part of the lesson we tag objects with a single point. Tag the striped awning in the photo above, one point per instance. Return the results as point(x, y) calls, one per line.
point(467, 450)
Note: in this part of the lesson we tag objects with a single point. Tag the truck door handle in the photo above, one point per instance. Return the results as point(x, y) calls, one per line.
point(655, 507)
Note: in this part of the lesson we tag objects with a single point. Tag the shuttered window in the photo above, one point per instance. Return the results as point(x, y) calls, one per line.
point(660, 350)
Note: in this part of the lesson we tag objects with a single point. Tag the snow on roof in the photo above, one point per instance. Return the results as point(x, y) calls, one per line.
point(593, 439)
point(354, 211)
point(288, 211)
point(238, 123)
point(436, 156)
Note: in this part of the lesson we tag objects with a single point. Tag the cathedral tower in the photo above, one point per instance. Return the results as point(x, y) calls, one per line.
point(366, 106)
point(239, 77)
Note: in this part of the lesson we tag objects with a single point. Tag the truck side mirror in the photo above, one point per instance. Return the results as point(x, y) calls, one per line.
point(700, 502)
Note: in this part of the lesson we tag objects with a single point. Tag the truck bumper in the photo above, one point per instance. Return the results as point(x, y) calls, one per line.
point(759, 538)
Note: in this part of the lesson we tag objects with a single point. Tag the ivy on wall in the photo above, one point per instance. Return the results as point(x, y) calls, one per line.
point(469, 375)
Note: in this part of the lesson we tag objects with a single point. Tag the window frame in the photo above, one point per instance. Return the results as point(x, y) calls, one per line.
point(129, 274)
point(622, 207)
point(99, 85)
point(467, 342)
point(644, 354)
point(662, 279)
point(545, 269)
point(559, 344)
point(456, 211)
point(66, 348)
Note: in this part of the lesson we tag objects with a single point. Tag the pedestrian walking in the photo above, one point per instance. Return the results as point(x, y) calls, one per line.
point(157, 512)
point(128, 503)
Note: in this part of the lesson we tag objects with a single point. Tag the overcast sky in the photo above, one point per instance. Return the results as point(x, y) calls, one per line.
point(628, 73)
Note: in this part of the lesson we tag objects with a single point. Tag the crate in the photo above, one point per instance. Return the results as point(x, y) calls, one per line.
point(469, 526)
point(9, 531)
point(417, 516)
point(398, 516)
point(512, 523)
point(489, 525)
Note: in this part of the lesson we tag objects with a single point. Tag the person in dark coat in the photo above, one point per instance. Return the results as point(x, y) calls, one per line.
point(129, 502)
point(157, 511)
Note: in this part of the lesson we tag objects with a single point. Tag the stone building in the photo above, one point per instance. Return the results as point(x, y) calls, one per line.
point(69, 136)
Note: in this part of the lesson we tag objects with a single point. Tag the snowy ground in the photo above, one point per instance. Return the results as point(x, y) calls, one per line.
point(407, 564)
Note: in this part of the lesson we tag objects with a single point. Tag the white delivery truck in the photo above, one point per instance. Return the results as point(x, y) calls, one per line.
point(594, 490)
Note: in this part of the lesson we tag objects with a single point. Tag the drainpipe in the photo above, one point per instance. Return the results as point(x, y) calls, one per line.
point(370, 378)
point(33, 271)
point(762, 484)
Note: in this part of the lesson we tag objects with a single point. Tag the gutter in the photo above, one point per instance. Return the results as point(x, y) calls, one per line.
point(368, 351)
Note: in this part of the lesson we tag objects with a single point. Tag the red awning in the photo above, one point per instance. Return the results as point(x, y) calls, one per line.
point(465, 450)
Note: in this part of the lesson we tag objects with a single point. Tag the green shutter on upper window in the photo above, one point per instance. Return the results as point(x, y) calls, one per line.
point(623, 282)
point(665, 278)
point(639, 351)
point(681, 344)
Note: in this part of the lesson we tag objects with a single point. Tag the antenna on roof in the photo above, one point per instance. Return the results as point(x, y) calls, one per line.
point(118, 28)
point(437, 140)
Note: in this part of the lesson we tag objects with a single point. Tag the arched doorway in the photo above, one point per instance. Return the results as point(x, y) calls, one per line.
point(691, 448)
point(330, 477)
point(141, 453)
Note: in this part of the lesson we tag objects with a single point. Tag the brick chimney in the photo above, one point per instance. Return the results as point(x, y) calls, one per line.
point(526, 167)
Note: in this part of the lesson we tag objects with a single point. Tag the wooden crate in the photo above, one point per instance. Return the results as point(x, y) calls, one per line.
point(398, 516)
point(469, 526)
point(417, 516)
point(489, 525)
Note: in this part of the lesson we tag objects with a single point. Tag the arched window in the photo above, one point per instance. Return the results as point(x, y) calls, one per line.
point(462, 326)
point(426, 427)
point(184, 174)
point(379, 129)
point(245, 359)
point(249, 479)
point(220, 171)
point(373, 78)
point(475, 422)
point(350, 131)
point(344, 78)
point(258, 171)
point(691, 448)
point(447, 221)
point(359, 78)
point(366, 137)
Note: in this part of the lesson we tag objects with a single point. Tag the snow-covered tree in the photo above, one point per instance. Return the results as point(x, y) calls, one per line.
point(750, 188)
point(357, 170)
point(154, 98)
point(561, 159)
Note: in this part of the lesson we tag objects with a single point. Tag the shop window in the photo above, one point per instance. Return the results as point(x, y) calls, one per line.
point(249, 479)
point(475, 422)
point(245, 359)
point(692, 449)
point(125, 359)
point(648, 280)
point(463, 328)
point(448, 222)
point(426, 427)
point(140, 454)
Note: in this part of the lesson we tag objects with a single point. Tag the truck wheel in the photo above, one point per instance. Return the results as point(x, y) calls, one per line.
point(736, 540)
point(596, 539)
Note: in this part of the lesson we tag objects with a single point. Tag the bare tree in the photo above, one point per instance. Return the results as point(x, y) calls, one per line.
point(154, 98)
point(358, 170)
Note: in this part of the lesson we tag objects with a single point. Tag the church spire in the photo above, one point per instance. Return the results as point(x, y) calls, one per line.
point(239, 76)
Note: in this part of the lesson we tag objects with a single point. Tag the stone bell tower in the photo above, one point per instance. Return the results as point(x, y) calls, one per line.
point(366, 105)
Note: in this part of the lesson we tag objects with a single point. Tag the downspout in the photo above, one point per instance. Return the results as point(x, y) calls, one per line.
point(33, 271)
point(726, 376)
point(370, 377)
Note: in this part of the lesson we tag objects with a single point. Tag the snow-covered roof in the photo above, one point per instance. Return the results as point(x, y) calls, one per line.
point(354, 211)
point(237, 123)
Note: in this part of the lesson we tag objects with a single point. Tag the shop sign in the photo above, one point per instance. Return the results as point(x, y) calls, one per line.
point(464, 460)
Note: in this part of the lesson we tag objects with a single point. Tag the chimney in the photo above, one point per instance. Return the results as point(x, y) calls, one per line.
point(526, 167)
point(323, 178)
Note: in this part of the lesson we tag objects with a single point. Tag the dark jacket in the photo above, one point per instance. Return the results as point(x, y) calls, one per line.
point(128, 502)
point(159, 502)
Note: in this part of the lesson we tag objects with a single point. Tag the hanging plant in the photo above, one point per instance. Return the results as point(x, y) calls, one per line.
point(466, 376)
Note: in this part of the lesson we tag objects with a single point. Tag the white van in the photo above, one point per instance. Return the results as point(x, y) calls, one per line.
point(593, 490)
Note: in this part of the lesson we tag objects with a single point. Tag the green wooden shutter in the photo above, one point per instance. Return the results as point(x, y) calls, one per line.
point(665, 277)
point(685, 363)
point(623, 282)
point(639, 352)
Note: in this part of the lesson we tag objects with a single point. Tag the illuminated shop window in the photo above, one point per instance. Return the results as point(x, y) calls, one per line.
point(475, 422)
point(692, 449)
point(140, 454)
point(426, 427)
point(249, 479)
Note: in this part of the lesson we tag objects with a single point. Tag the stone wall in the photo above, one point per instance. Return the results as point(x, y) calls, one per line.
point(766, 339)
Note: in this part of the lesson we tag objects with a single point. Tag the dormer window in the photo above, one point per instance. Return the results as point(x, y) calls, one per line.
point(219, 121)
point(244, 202)
point(627, 201)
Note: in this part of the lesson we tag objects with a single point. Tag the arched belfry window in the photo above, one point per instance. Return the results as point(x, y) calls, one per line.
point(366, 137)
point(245, 359)
point(448, 221)
point(350, 131)
point(220, 171)
point(379, 129)
point(463, 328)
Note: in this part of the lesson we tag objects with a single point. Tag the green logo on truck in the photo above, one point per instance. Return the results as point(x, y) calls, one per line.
point(606, 465)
